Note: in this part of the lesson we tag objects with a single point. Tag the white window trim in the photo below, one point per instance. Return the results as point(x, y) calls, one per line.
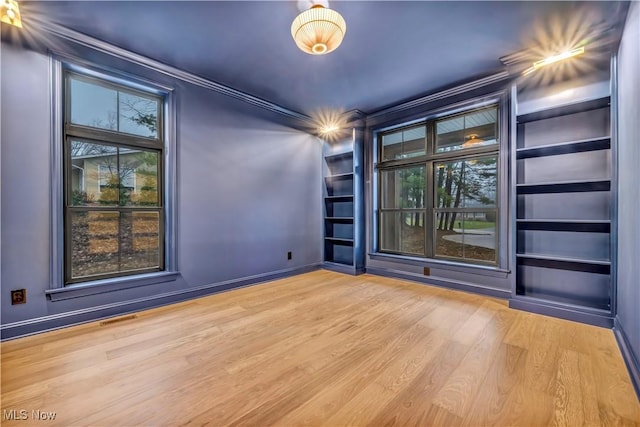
point(57, 286)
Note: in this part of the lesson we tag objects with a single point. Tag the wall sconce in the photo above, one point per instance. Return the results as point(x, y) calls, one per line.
point(10, 13)
point(554, 58)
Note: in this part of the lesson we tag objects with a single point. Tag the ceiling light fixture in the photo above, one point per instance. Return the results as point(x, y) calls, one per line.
point(555, 58)
point(473, 140)
point(329, 129)
point(319, 30)
point(10, 13)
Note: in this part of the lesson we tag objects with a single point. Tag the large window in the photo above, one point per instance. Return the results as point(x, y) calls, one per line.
point(438, 188)
point(113, 184)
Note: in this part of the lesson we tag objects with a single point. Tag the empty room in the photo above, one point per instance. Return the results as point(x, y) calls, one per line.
point(322, 213)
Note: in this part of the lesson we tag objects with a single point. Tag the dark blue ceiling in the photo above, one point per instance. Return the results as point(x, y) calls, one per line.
point(393, 50)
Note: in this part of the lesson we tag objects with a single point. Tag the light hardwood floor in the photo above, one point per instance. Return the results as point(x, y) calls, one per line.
point(323, 349)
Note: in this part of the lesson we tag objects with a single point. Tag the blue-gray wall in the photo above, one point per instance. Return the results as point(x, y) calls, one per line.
point(249, 191)
point(628, 299)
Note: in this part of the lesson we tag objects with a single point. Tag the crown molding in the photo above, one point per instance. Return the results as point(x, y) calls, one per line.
point(157, 66)
point(355, 118)
point(456, 90)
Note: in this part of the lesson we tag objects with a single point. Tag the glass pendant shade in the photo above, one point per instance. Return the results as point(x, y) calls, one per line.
point(319, 30)
point(473, 140)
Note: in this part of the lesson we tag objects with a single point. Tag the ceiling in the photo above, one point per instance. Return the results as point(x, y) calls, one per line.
point(393, 50)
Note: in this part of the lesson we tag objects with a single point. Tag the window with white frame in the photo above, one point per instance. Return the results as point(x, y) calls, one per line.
point(113, 181)
point(438, 188)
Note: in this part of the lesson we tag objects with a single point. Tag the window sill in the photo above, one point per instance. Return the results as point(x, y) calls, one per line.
point(109, 285)
point(483, 270)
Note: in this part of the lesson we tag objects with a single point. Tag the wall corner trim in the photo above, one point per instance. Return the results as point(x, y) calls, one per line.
point(62, 320)
point(104, 47)
point(630, 359)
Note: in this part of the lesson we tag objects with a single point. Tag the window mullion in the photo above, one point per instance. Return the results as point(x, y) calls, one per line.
point(429, 226)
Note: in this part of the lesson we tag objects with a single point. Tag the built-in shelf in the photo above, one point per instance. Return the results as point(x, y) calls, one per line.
point(591, 310)
point(339, 157)
point(571, 147)
point(340, 240)
point(339, 218)
point(346, 198)
point(564, 263)
point(576, 285)
point(343, 191)
point(564, 187)
point(565, 110)
point(577, 225)
point(339, 176)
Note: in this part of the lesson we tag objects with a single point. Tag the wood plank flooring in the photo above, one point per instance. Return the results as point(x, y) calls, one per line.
point(323, 349)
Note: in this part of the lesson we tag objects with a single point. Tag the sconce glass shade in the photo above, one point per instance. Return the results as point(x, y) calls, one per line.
point(10, 13)
point(319, 30)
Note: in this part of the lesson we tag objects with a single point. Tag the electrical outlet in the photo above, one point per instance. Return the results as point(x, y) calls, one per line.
point(18, 296)
point(289, 255)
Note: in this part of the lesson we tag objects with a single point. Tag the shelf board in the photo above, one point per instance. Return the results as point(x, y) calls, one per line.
point(571, 147)
point(564, 187)
point(339, 219)
point(339, 240)
point(594, 312)
point(563, 302)
point(592, 226)
point(340, 176)
point(346, 198)
point(342, 267)
point(565, 263)
point(565, 110)
point(337, 157)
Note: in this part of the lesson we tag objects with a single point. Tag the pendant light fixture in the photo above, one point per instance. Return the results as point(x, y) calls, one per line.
point(473, 140)
point(319, 30)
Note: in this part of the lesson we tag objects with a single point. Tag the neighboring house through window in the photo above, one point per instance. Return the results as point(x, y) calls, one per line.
point(113, 184)
point(438, 188)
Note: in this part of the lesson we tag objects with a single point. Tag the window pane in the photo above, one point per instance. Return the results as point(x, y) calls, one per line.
point(414, 142)
point(93, 105)
point(469, 235)
point(449, 134)
point(404, 144)
point(468, 183)
point(390, 231)
point(392, 146)
point(94, 243)
point(139, 240)
point(109, 176)
point(475, 129)
point(403, 188)
point(448, 235)
point(480, 236)
point(112, 242)
point(94, 174)
point(481, 182)
point(138, 177)
point(402, 232)
point(138, 115)
point(412, 224)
